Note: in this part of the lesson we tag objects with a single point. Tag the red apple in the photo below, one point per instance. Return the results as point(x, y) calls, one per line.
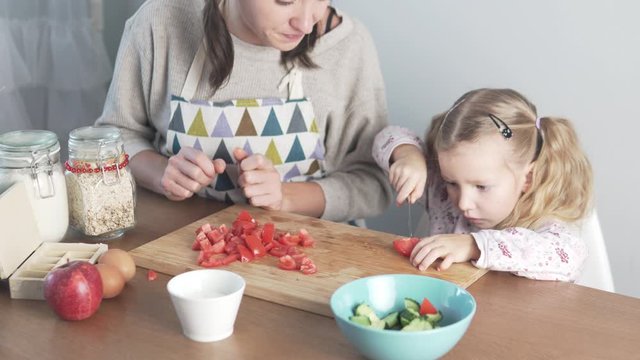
point(74, 290)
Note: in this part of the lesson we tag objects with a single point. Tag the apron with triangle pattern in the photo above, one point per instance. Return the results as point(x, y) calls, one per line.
point(283, 130)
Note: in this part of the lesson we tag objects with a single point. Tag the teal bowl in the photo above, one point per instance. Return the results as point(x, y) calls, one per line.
point(385, 294)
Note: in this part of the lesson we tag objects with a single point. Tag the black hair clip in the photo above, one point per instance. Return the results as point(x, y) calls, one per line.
point(502, 126)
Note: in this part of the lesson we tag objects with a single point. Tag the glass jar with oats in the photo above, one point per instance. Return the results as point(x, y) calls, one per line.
point(100, 186)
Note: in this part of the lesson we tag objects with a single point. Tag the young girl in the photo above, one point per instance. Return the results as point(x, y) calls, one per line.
point(505, 188)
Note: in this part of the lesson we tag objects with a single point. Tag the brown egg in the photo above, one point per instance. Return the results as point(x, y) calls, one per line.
point(112, 280)
point(121, 260)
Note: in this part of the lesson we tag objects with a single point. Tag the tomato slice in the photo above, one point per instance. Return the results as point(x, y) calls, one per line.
point(427, 308)
point(267, 233)
point(245, 254)
point(231, 258)
point(306, 239)
point(245, 216)
point(404, 246)
point(218, 247)
point(279, 251)
point(308, 267)
point(255, 245)
point(151, 275)
point(287, 263)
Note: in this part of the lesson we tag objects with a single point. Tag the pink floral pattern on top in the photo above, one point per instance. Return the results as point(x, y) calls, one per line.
point(553, 251)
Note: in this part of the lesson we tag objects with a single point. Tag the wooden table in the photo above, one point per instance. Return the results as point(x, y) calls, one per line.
point(516, 317)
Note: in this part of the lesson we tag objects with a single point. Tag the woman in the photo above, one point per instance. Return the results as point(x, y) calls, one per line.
point(285, 96)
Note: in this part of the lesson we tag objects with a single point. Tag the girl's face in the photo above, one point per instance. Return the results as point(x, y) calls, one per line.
point(280, 24)
point(481, 181)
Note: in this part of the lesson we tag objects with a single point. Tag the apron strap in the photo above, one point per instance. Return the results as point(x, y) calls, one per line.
point(194, 74)
point(293, 81)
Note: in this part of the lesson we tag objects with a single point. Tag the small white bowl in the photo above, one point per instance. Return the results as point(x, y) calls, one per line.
point(206, 302)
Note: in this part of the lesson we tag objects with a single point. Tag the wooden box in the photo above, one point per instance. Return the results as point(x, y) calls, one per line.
point(24, 259)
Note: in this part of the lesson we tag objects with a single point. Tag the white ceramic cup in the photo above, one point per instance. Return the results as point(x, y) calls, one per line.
point(206, 302)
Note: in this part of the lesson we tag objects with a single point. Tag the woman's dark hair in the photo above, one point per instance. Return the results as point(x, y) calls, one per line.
point(221, 55)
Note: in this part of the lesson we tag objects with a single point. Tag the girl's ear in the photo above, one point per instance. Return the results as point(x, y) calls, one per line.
point(528, 177)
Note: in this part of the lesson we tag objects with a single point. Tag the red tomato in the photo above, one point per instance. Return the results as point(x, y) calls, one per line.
point(231, 258)
point(151, 275)
point(306, 239)
point(308, 267)
point(404, 246)
point(245, 254)
point(267, 233)
point(203, 229)
point(287, 263)
point(218, 247)
point(255, 245)
point(215, 235)
point(427, 307)
point(278, 251)
point(245, 216)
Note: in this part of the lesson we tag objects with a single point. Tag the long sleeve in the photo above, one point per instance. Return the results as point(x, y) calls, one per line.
point(553, 252)
point(390, 138)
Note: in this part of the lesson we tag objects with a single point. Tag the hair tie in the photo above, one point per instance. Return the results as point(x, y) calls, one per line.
point(538, 122)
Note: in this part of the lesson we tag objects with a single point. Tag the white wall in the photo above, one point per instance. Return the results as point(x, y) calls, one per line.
point(579, 59)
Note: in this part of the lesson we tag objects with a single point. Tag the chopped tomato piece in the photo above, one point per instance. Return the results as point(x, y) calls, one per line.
point(255, 245)
point(218, 248)
point(203, 229)
point(215, 235)
point(245, 254)
point(278, 250)
point(306, 239)
point(404, 246)
point(287, 263)
point(245, 216)
point(308, 267)
point(231, 258)
point(268, 246)
point(427, 308)
point(231, 247)
point(213, 261)
point(268, 231)
point(151, 275)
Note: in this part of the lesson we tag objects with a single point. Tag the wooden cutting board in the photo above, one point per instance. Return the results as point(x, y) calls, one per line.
point(342, 253)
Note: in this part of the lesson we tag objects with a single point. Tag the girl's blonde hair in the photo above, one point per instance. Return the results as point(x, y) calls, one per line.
point(561, 180)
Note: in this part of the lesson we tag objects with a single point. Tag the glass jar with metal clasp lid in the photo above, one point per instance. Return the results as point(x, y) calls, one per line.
point(33, 157)
point(100, 185)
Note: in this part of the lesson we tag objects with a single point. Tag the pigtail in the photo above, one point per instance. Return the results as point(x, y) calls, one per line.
point(221, 55)
point(433, 170)
point(561, 184)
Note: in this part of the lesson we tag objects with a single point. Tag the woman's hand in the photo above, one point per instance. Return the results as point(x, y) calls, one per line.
point(408, 173)
point(259, 180)
point(451, 248)
point(187, 172)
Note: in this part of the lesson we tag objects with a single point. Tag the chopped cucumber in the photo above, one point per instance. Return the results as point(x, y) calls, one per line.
point(434, 318)
point(362, 320)
point(392, 319)
point(407, 319)
point(418, 324)
point(406, 316)
point(365, 310)
point(411, 304)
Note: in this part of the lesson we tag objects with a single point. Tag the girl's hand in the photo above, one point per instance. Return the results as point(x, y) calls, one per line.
point(451, 248)
point(187, 172)
point(408, 173)
point(259, 180)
